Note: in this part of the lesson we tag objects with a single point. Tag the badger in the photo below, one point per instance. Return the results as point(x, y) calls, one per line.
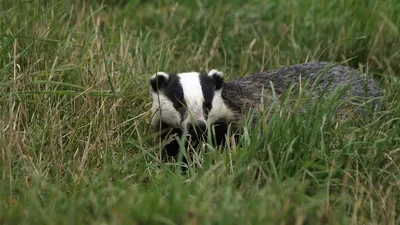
point(190, 102)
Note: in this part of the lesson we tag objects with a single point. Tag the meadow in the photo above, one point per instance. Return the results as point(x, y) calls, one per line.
point(76, 147)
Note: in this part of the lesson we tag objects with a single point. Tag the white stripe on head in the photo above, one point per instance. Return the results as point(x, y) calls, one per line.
point(193, 95)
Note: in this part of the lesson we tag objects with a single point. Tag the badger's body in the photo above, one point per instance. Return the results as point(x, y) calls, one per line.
point(186, 102)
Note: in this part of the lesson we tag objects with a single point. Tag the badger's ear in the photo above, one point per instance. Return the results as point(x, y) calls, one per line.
point(218, 78)
point(158, 81)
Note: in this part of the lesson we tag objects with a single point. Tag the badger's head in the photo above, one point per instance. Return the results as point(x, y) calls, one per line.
point(187, 101)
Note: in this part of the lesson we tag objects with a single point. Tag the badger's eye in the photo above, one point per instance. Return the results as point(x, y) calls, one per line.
point(180, 106)
point(206, 107)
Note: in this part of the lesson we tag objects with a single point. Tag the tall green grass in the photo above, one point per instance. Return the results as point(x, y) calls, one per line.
point(74, 110)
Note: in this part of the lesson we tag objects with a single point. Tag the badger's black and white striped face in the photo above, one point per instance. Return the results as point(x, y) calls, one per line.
point(188, 99)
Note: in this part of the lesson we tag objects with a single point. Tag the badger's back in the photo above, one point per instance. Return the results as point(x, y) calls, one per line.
point(247, 91)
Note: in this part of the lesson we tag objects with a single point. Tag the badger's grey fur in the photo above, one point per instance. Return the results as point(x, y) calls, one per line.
point(186, 99)
point(250, 89)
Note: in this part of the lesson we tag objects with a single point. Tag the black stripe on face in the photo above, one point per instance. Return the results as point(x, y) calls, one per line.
point(174, 92)
point(208, 88)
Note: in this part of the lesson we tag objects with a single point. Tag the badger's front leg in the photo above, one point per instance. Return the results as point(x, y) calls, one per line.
point(170, 143)
point(172, 147)
point(219, 134)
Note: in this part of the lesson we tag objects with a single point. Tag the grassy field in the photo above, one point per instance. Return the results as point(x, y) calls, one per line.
point(75, 143)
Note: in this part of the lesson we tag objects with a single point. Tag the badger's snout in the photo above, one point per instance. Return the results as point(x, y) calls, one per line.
point(195, 121)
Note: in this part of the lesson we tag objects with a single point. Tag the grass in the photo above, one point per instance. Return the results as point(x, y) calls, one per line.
point(74, 110)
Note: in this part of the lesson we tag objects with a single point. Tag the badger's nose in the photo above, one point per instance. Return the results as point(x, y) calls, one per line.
point(196, 129)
